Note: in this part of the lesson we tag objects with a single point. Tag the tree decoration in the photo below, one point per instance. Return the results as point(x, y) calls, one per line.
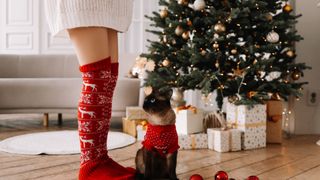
point(183, 2)
point(179, 31)
point(234, 49)
point(273, 37)
point(276, 96)
point(296, 75)
point(185, 35)
point(165, 62)
point(215, 45)
point(238, 71)
point(233, 99)
point(219, 27)
point(163, 13)
point(251, 94)
point(290, 53)
point(269, 17)
point(287, 8)
point(199, 5)
point(150, 65)
point(221, 175)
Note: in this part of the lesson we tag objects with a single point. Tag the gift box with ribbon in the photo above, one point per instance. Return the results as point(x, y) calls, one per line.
point(224, 140)
point(274, 121)
point(129, 126)
point(141, 130)
point(193, 141)
point(252, 121)
point(135, 112)
point(189, 120)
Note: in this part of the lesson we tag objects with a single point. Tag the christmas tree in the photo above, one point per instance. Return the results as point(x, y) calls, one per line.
point(242, 49)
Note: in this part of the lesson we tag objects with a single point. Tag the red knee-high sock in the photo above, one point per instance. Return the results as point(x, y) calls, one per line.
point(94, 113)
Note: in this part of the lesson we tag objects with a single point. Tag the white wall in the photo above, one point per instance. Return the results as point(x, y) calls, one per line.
point(308, 117)
point(23, 29)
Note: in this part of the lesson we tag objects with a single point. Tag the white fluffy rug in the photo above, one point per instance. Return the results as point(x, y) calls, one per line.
point(57, 142)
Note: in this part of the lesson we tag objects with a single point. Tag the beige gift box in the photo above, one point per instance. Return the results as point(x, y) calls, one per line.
point(251, 121)
point(188, 121)
point(135, 112)
point(224, 140)
point(193, 141)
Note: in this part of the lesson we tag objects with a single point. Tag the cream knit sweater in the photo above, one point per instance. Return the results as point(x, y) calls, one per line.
point(66, 14)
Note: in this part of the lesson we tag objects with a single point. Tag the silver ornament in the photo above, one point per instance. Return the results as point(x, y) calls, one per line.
point(199, 5)
point(273, 37)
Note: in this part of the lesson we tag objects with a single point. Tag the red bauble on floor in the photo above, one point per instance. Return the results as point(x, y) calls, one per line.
point(252, 178)
point(196, 177)
point(221, 175)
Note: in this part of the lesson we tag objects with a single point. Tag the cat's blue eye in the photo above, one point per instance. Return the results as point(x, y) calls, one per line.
point(153, 100)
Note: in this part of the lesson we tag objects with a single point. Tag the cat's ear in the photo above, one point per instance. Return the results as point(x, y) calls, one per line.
point(166, 95)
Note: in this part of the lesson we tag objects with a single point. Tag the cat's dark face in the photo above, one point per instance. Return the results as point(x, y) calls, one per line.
point(156, 103)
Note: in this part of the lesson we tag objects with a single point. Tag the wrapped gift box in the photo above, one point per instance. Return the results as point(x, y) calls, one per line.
point(274, 121)
point(252, 121)
point(129, 126)
point(141, 132)
point(193, 141)
point(135, 112)
point(189, 121)
point(224, 140)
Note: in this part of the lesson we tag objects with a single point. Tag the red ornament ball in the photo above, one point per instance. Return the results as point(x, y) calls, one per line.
point(196, 177)
point(253, 178)
point(221, 175)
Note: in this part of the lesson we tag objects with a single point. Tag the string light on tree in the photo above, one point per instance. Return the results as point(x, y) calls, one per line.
point(166, 62)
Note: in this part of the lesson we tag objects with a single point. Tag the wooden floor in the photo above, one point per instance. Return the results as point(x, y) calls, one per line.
point(297, 158)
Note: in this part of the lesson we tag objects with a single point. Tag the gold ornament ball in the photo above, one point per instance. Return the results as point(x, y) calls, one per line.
point(163, 13)
point(183, 2)
point(287, 8)
point(234, 51)
point(165, 62)
point(215, 45)
point(296, 75)
point(185, 35)
point(219, 27)
point(179, 31)
point(290, 53)
point(203, 52)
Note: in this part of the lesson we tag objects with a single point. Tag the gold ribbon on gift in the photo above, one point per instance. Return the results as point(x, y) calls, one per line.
point(143, 123)
point(235, 124)
point(193, 142)
point(189, 107)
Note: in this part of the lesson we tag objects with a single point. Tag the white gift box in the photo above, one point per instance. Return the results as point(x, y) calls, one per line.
point(188, 121)
point(193, 141)
point(252, 121)
point(141, 132)
point(224, 140)
point(135, 112)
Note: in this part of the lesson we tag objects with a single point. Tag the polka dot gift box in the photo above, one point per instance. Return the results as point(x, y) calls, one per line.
point(251, 120)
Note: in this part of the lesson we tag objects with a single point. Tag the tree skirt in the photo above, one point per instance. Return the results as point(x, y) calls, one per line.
point(57, 142)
